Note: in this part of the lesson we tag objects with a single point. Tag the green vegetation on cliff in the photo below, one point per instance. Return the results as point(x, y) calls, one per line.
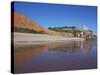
point(24, 30)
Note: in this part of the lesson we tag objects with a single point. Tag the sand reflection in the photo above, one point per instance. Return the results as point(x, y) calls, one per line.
point(24, 53)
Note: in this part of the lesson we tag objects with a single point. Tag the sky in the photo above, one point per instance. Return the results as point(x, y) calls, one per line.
point(57, 15)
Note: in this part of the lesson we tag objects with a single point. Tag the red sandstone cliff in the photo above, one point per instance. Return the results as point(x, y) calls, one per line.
point(21, 21)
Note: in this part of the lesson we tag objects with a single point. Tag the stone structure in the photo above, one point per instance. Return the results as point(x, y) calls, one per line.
point(85, 33)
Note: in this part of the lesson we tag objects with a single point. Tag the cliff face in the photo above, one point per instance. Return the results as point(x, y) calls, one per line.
point(21, 21)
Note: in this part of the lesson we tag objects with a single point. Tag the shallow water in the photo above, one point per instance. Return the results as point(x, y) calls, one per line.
point(68, 55)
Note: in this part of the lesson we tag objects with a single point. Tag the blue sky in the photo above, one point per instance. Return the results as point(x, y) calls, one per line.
point(51, 15)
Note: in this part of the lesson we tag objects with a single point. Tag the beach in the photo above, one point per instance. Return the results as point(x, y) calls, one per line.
point(29, 39)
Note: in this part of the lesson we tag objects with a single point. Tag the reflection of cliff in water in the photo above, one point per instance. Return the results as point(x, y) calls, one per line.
point(25, 53)
point(73, 46)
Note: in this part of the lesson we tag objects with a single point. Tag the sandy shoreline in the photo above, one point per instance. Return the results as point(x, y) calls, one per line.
point(28, 39)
